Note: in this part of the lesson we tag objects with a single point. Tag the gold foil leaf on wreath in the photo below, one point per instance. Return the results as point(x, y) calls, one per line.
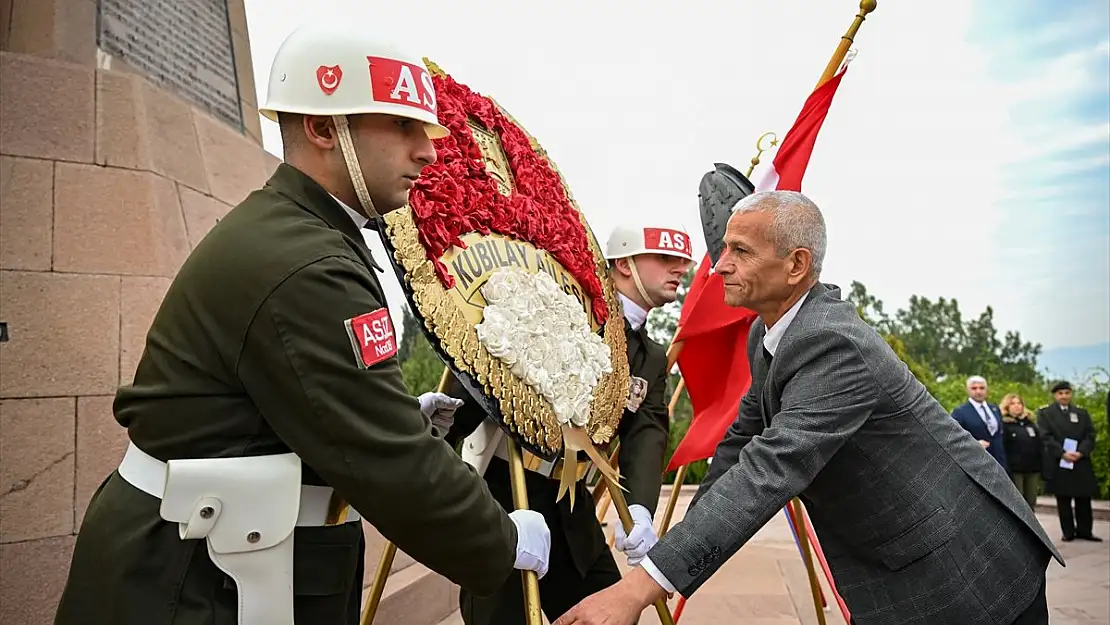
point(524, 411)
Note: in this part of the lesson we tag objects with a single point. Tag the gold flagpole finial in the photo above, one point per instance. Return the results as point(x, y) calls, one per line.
point(865, 7)
point(759, 149)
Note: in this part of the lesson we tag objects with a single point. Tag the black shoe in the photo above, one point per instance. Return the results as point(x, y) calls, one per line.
point(1067, 539)
point(1092, 538)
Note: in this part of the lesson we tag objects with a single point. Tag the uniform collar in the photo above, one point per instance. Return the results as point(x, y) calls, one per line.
point(774, 334)
point(311, 196)
point(635, 315)
point(359, 219)
point(314, 198)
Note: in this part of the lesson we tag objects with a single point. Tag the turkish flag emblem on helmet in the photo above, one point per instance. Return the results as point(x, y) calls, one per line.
point(328, 78)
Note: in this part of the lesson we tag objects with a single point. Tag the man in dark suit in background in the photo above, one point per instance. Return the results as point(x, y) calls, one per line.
point(1060, 422)
point(982, 419)
point(919, 526)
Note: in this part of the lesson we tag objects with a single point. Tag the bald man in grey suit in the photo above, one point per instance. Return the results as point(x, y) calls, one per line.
point(918, 524)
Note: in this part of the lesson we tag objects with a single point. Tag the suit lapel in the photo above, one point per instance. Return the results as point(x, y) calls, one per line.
point(764, 394)
point(760, 370)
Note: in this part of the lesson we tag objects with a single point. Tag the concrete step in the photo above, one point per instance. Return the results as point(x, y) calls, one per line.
point(413, 593)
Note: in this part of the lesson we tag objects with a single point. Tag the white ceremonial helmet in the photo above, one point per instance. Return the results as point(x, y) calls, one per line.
point(632, 239)
point(339, 71)
point(629, 240)
point(330, 70)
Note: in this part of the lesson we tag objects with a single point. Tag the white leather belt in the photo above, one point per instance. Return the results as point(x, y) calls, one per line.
point(245, 509)
point(148, 474)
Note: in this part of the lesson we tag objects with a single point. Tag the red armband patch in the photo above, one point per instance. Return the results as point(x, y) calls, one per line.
point(372, 337)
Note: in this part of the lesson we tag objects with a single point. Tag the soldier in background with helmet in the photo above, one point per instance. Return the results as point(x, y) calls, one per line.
point(646, 264)
point(269, 396)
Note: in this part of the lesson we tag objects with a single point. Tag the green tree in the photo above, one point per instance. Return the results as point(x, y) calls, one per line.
point(421, 367)
point(942, 349)
point(869, 307)
point(662, 322)
point(411, 332)
point(935, 336)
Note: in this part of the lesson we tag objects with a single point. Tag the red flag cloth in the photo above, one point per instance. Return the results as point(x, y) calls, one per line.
point(713, 361)
point(714, 335)
point(790, 162)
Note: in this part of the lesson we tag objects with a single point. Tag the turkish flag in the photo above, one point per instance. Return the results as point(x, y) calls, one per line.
point(713, 361)
point(714, 335)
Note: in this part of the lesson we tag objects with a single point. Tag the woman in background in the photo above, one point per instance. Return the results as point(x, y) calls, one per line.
point(1024, 447)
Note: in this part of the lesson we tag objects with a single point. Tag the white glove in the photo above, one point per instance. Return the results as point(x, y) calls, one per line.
point(440, 409)
point(640, 540)
point(533, 541)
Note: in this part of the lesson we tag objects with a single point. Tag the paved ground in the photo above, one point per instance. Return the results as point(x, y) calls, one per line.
point(766, 583)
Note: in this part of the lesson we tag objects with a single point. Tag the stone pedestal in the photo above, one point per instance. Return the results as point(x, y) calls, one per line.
point(108, 178)
point(111, 172)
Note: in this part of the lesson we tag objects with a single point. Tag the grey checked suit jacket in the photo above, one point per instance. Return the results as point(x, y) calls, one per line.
point(919, 524)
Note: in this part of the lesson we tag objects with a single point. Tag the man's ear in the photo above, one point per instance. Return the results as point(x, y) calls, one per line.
point(620, 265)
point(801, 261)
point(320, 131)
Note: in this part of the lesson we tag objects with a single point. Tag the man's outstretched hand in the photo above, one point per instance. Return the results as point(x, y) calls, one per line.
point(620, 604)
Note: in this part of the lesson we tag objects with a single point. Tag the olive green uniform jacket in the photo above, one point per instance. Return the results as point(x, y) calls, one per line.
point(249, 355)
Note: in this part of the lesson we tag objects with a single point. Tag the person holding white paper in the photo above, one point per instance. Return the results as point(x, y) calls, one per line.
point(1069, 438)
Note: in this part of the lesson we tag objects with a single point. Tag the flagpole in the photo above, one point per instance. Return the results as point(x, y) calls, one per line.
point(865, 7)
point(533, 614)
point(680, 474)
point(807, 559)
point(834, 64)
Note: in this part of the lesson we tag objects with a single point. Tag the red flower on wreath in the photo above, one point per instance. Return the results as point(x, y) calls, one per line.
point(456, 195)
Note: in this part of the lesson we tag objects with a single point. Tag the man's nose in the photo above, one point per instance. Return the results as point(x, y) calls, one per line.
point(722, 267)
point(425, 151)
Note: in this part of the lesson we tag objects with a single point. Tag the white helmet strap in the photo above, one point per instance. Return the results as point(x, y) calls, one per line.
point(640, 284)
point(347, 145)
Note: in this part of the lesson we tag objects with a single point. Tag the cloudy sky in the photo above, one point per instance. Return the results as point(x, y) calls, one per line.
point(966, 155)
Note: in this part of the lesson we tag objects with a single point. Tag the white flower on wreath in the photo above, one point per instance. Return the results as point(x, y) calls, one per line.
point(544, 335)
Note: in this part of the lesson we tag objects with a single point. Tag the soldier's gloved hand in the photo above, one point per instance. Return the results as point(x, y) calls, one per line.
point(440, 409)
point(637, 543)
point(533, 541)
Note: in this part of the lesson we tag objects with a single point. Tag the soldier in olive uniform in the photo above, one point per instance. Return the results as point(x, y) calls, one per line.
point(269, 393)
point(1059, 422)
point(646, 264)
